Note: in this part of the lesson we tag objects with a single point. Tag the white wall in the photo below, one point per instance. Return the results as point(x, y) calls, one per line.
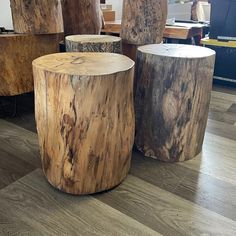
point(117, 6)
point(5, 14)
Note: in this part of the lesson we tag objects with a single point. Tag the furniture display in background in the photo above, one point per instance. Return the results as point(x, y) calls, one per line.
point(85, 119)
point(201, 11)
point(143, 22)
point(82, 17)
point(223, 20)
point(173, 94)
point(108, 13)
point(225, 70)
point(179, 32)
point(37, 17)
point(93, 43)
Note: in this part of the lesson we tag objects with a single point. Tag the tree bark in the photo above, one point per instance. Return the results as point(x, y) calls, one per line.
point(37, 17)
point(143, 21)
point(17, 51)
point(93, 43)
point(85, 119)
point(174, 85)
point(82, 17)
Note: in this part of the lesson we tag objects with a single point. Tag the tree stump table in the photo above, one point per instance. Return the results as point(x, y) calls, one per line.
point(93, 43)
point(37, 17)
point(82, 17)
point(85, 119)
point(143, 22)
point(17, 51)
point(174, 85)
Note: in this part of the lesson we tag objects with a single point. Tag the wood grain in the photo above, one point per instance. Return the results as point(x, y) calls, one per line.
point(17, 51)
point(82, 17)
point(207, 191)
point(37, 17)
point(19, 142)
point(143, 22)
point(165, 212)
point(12, 168)
point(210, 162)
point(172, 101)
point(31, 207)
point(93, 43)
point(222, 129)
point(89, 143)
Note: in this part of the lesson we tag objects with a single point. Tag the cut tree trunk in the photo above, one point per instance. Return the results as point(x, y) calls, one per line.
point(85, 119)
point(93, 43)
point(143, 22)
point(17, 51)
point(37, 17)
point(82, 17)
point(174, 85)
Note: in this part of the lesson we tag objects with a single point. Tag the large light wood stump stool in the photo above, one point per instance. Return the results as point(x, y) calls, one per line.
point(37, 17)
point(17, 51)
point(85, 119)
point(93, 43)
point(174, 85)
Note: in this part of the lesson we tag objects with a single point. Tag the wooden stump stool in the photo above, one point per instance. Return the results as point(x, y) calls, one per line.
point(174, 85)
point(85, 119)
point(37, 17)
point(143, 22)
point(82, 16)
point(17, 51)
point(93, 43)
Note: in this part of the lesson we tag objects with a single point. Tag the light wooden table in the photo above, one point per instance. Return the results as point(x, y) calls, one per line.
point(178, 31)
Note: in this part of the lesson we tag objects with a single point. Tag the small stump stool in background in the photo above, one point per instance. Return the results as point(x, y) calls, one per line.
point(174, 85)
point(85, 119)
point(93, 43)
point(37, 17)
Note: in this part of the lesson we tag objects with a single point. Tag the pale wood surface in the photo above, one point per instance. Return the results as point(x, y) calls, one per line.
point(196, 197)
point(82, 17)
point(93, 43)
point(171, 114)
point(37, 17)
point(89, 143)
point(17, 51)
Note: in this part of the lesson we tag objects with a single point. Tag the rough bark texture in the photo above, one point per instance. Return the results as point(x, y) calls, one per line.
point(17, 51)
point(93, 43)
point(85, 119)
point(82, 16)
point(172, 99)
point(143, 21)
point(37, 17)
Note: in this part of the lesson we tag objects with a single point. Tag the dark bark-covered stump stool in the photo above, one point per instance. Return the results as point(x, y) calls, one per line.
point(173, 94)
point(85, 119)
point(37, 17)
point(93, 43)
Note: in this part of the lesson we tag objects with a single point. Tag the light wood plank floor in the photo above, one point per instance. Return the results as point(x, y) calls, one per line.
point(197, 197)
